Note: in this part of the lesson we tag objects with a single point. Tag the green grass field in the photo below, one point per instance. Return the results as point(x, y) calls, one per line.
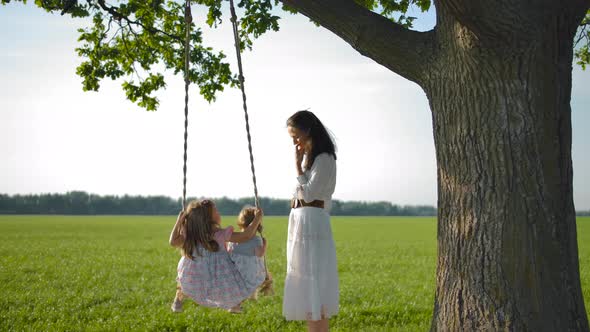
point(117, 273)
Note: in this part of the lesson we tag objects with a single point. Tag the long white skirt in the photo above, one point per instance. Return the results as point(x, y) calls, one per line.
point(311, 285)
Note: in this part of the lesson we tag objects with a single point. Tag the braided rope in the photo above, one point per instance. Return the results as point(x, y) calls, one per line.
point(188, 20)
point(234, 21)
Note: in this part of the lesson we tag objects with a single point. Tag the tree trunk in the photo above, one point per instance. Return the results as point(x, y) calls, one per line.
point(498, 78)
point(507, 246)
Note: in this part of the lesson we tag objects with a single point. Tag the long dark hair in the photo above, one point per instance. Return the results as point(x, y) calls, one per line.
point(199, 228)
point(321, 140)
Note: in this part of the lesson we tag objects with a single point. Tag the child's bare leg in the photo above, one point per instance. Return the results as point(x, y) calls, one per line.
point(179, 294)
point(237, 309)
point(177, 303)
point(254, 295)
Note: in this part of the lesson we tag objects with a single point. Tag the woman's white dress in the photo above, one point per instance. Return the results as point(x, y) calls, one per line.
point(311, 285)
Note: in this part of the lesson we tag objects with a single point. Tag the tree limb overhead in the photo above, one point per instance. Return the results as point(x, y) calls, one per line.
point(399, 49)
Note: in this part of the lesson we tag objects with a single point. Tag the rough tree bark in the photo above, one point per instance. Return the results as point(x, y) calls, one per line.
point(498, 79)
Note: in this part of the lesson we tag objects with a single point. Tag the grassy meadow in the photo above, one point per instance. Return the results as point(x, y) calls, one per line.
point(112, 273)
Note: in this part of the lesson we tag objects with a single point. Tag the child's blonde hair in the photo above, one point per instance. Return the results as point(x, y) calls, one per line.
point(199, 228)
point(246, 217)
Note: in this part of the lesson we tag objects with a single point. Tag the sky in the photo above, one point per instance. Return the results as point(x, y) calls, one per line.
point(56, 138)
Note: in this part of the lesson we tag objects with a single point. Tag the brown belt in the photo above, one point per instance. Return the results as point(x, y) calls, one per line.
point(297, 203)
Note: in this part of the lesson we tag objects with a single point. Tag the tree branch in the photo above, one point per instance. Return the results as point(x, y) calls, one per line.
point(126, 47)
point(399, 49)
point(581, 35)
point(118, 16)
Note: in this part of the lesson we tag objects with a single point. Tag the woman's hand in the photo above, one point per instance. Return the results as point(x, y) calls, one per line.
point(299, 153)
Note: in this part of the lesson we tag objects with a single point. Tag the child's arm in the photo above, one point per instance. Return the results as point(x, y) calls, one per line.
point(176, 236)
point(250, 231)
point(260, 250)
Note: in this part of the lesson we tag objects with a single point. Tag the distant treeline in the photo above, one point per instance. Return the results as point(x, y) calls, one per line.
point(82, 203)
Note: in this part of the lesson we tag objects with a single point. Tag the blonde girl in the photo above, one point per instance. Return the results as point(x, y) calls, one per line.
point(248, 255)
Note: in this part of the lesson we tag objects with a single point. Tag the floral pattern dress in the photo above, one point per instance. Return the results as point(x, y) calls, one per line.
point(212, 279)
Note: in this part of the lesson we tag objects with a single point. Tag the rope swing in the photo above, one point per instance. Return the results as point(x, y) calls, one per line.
point(188, 19)
point(266, 287)
point(234, 21)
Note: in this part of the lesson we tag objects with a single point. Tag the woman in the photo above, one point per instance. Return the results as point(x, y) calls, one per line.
point(311, 285)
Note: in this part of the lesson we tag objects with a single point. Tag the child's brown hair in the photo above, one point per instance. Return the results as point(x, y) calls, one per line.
point(199, 228)
point(246, 217)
